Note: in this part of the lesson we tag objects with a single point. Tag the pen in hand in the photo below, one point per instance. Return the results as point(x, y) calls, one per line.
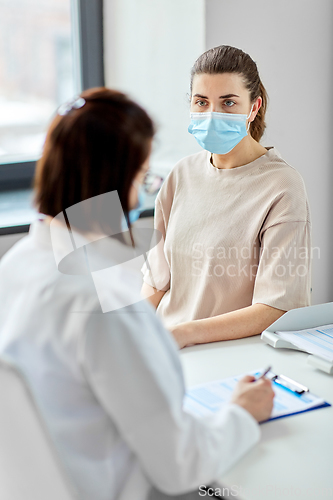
point(262, 375)
point(257, 399)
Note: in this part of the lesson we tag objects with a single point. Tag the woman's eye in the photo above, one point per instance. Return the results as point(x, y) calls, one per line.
point(229, 103)
point(200, 103)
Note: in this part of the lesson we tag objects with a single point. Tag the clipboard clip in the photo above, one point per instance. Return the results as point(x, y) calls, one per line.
point(290, 384)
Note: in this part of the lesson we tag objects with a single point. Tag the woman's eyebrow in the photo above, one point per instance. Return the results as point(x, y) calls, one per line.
point(227, 96)
point(221, 96)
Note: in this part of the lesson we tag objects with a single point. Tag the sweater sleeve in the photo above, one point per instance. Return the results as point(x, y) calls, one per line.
point(132, 365)
point(156, 270)
point(283, 277)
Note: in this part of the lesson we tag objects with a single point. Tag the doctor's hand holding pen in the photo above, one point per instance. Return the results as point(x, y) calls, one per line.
point(255, 395)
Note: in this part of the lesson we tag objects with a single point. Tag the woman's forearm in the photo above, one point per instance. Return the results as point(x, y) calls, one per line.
point(244, 322)
point(152, 294)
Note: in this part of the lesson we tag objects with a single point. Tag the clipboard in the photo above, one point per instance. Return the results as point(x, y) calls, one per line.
point(301, 319)
point(297, 390)
point(291, 397)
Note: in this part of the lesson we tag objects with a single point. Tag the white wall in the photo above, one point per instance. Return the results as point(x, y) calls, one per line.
point(150, 46)
point(291, 41)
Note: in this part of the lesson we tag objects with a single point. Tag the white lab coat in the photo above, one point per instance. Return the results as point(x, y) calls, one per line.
point(109, 385)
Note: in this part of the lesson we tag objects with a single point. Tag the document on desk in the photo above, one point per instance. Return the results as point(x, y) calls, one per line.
point(208, 398)
point(317, 340)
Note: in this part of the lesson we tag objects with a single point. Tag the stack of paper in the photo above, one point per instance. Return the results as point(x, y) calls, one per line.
point(318, 341)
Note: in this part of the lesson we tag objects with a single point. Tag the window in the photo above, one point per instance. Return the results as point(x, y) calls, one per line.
point(45, 58)
point(36, 61)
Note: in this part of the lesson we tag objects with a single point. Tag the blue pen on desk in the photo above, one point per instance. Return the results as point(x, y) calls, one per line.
point(263, 373)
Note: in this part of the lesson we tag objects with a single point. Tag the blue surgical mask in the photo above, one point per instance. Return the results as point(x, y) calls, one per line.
point(134, 214)
point(218, 133)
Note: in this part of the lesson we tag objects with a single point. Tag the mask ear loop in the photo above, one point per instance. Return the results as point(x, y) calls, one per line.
point(248, 126)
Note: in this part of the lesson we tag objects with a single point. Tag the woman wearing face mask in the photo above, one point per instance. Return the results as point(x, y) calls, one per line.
point(104, 372)
point(234, 217)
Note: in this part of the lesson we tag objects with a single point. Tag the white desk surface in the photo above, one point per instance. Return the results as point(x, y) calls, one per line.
point(294, 458)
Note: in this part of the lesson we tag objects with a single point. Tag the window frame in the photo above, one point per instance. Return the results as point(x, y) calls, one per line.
point(88, 57)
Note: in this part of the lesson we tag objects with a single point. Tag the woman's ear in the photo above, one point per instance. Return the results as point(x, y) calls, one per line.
point(256, 106)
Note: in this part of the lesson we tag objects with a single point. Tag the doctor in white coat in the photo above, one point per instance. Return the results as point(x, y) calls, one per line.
point(103, 370)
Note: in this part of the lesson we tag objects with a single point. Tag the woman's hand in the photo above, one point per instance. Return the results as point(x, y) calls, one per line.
point(254, 396)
